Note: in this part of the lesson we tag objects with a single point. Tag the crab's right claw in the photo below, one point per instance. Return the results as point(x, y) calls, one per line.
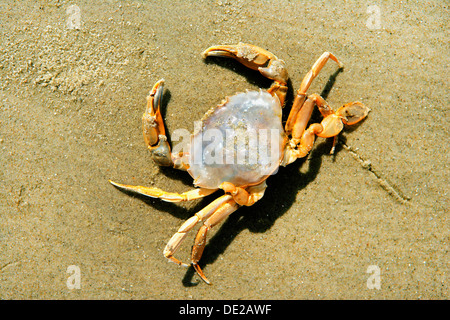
point(353, 112)
point(253, 57)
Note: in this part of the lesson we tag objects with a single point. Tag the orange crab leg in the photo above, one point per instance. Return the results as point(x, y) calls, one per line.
point(153, 124)
point(212, 214)
point(249, 55)
point(166, 196)
point(241, 196)
point(301, 92)
point(187, 226)
point(245, 196)
point(303, 140)
point(219, 215)
point(305, 112)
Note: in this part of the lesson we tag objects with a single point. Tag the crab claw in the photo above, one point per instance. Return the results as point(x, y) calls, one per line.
point(352, 112)
point(152, 121)
point(249, 55)
point(252, 57)
point(153, 127)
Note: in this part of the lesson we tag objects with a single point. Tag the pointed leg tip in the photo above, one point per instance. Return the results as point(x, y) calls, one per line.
point(206, 280)
point(200, 273)
point(118, 185)
point(113, 183)
point(339, 63)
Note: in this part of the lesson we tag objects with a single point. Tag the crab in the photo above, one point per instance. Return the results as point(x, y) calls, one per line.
point(214, 167)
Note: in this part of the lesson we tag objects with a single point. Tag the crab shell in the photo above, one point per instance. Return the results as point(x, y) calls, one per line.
point(240, 141)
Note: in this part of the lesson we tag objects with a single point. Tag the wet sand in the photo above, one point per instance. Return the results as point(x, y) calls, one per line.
point(70, 112)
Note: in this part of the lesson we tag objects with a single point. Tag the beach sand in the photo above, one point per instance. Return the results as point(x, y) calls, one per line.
point(73, 83)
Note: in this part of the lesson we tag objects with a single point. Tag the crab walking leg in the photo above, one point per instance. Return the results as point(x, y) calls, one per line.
point(304, 116)
point(245, 196)
point(306, 83)
point(182, 232)
point(332, 124)
point(302, 140)
point(200, 240)
point(163, 195)
point(256, 58)
point(302, 119)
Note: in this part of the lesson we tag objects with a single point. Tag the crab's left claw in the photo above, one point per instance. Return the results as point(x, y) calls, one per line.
point(249, 55)
point(253, 57)
point(256, 58)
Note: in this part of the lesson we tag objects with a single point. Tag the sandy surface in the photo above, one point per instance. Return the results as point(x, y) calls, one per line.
point(71, 102)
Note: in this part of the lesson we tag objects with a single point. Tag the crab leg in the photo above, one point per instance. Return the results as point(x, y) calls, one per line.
point(182, 232)
point(166, 196)
point(299, 101)
point(245, 196)
point(259, 59)
point(241, 197)
point(305, 112)
point(303, 140)
point(218, 215)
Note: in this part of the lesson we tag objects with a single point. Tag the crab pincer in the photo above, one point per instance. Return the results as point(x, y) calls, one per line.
point(153, 127)
point(256, 58)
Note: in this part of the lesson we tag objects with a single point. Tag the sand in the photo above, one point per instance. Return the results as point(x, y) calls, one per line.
point(73, 82)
